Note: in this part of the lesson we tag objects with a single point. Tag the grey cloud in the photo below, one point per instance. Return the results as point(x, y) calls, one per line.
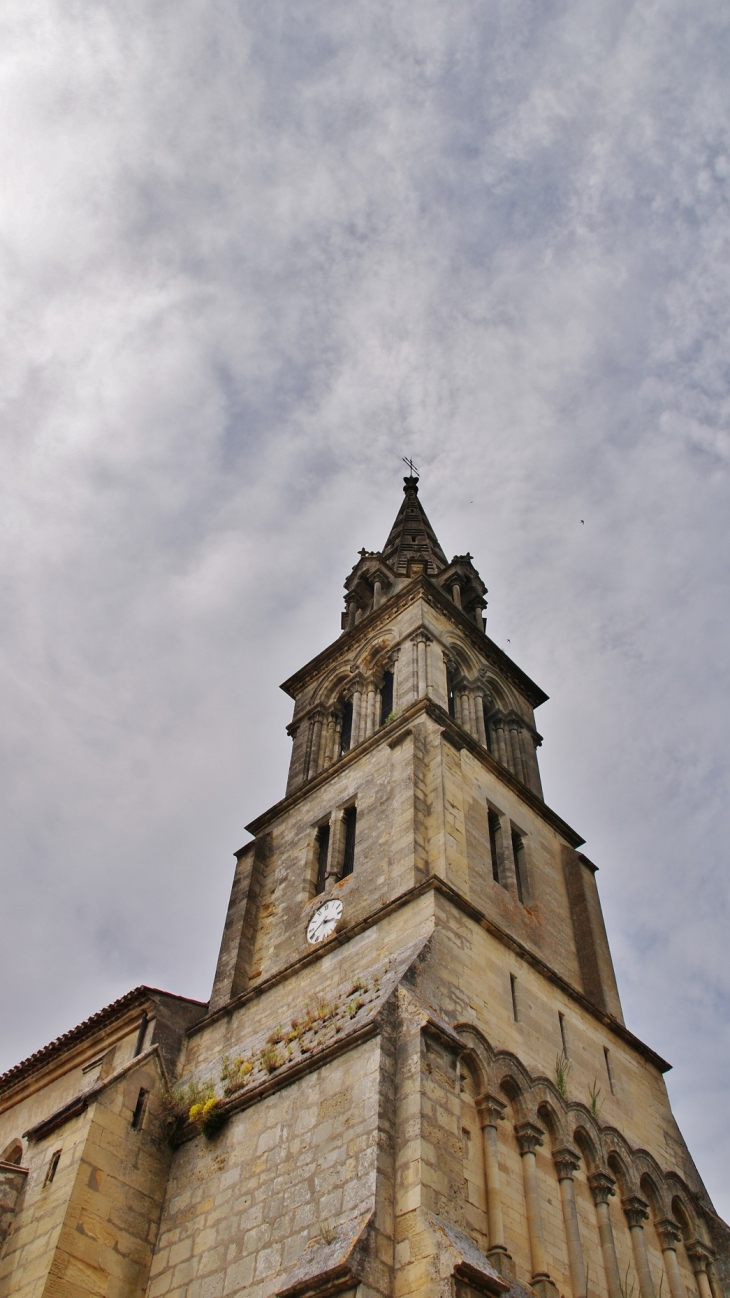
point(253, 255)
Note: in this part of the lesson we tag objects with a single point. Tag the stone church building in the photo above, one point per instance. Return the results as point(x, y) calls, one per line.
point(413, 1075)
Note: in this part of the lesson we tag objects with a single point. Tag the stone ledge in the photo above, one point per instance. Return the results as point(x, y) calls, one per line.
point(328, 1267)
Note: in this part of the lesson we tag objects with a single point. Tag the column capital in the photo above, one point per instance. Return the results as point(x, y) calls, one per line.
point(567, 1161)
point(602, 1186)
point(699, 1255)
point(529, 1137)
point(490, 1109)
point(636, 1210)
point(668, 1232)
point(421, 637)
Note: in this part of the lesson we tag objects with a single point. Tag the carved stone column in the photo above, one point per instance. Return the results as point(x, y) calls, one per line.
point(377, 593)
point(499, 741)
point(636, 1212)
point(566, 1163)
point(529, 1138)
point(515, 750)
point(370, 697)
point(700, 1257)
point(669, 1236)
point(315, 738)
point(490, 1111)
point(471, 724)
point(336, 736)
point(479, 717)
point(456, 593)
point(602, 1187)
point(356, 706)
point(397, 684)
point(329, 739)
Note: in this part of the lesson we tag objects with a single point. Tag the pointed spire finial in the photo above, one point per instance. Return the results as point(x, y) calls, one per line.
point(411, 537)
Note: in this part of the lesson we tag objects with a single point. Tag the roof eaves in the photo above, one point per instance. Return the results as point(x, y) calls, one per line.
point(88, 1026)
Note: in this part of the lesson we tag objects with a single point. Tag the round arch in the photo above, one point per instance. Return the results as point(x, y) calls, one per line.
point(588, 1147)
point(13, 1153)
point(621, 1171)
point(553, 1122)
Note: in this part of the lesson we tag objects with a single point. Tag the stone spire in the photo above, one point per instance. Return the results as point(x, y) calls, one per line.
point(412, 537)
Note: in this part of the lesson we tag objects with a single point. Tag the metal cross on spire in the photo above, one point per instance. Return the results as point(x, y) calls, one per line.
point(414, 471)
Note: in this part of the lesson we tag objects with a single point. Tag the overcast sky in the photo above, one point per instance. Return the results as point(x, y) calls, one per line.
point(251, 255)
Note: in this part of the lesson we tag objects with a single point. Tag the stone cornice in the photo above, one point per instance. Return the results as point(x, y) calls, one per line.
point(455, 735)
point(418, 587)
point(436, 884)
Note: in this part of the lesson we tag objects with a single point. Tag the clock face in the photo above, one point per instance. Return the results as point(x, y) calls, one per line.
point(324, 920)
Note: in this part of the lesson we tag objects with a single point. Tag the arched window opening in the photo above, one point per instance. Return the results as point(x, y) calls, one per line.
point(386, 697)
point(13, 1153)
point(346, 730)
point(451, 691)
point(475, 1186)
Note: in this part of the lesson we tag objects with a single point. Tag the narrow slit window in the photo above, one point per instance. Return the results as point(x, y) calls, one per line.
point(386, 698)
point(139, 1109)
point(348, 860)
point(494, 832)
point(451, 696)
point(346, 731)
point(563, 1038)
point(609, 1074)
point(323, 843)
point(518, 850)
point(513, 992)
point(52, 1167)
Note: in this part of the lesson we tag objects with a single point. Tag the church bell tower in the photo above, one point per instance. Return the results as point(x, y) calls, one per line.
point(413, 1076)
point(490, 1122)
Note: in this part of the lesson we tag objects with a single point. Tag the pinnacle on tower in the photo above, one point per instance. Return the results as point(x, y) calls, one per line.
point(411, 550)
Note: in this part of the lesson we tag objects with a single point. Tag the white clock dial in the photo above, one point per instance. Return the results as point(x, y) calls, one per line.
point(324, 920)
